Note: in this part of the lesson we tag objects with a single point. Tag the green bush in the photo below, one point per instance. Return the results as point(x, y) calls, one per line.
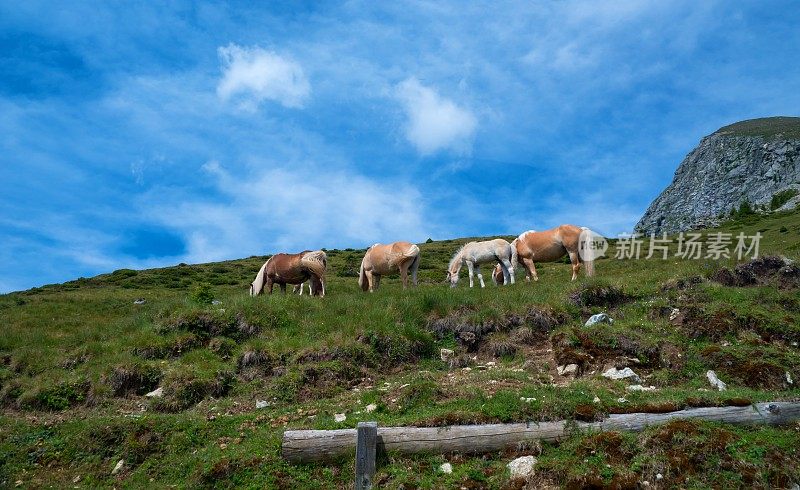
point(782, 197)
point(56, 397)
point(202, 294)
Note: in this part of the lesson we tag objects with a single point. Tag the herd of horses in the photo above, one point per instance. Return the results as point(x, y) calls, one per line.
point(403, 257)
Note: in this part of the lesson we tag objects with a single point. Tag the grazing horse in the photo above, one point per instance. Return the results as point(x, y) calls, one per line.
point(549, 246)
point(476, 253)
point(385, 259)
point(283, 269)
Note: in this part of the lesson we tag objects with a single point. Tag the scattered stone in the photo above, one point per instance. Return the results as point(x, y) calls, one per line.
point(261, 404)
point(446, 468)
point(789, 378)
point(157, 393)
point(76, 479)
point(466, 369)
point(640, 388)
point(340, 417)
point(446, 354)
point(140, 301)
point(598, 318)
point(527, 400)
point(674, 314)
point(118, 467)
point(596, 399)
point(216, 302)
point(659, 476)
point(622, 400)
point(715, 381)
point(522, 467)
point(627, 373)
point(568, 370)
point(371, 408)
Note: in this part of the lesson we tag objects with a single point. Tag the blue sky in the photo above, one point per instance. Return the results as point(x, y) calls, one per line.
point(140, 135)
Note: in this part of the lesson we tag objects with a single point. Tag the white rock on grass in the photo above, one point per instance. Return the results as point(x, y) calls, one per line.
point(640, 388)
point(371, 408)
point(598, 318)
point(521, 467)
point(261, 404)
point(339, 417)
point(446, 468)
point(118, 467)
point(789, 378)
point(157, 393)
point(627, 373)
point(715, 381)
point(568, 370)
point(446, 355)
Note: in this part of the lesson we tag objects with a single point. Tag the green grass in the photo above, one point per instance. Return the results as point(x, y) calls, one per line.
point(76, 358)
point(767, 127)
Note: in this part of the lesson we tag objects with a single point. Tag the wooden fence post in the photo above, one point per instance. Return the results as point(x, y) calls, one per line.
point(366, 443)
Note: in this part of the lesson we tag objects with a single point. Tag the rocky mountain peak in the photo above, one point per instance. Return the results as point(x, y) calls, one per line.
point(749, 161)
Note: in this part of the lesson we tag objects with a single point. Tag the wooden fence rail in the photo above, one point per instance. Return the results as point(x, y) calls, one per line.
point(326, 445)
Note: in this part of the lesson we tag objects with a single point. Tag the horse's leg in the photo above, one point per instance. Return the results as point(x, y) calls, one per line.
point(370, 280)
point(508, 271)
point(270, 283)
point(471, 268)
point(530, 269)
point(576, 264)
point(298, 289)
point(377, 280)
point(283, 287)
point(404, 274)
point(480, 276)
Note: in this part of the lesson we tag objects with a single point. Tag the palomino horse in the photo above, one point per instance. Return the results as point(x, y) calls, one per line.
point(476, 253)
point(283, 269)
point(549, 246)
point(385, 259)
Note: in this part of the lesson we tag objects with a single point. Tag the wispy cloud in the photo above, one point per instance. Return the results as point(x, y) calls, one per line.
point(289, 209)
point(434, 122)
point(252, 75)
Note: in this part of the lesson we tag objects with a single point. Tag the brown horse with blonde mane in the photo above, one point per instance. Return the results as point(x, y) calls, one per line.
point(385, 259)
point(548, 246)
point(283, 269)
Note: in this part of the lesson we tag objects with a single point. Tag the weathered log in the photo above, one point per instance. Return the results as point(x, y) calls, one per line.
point(326, 445)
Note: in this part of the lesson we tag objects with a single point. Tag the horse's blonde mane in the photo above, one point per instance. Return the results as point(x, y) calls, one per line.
point(456, 256)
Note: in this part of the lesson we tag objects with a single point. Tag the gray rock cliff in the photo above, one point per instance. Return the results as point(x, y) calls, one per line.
point(749, 160)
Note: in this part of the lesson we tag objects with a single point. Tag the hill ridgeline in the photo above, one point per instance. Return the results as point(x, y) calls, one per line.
point(749, 161)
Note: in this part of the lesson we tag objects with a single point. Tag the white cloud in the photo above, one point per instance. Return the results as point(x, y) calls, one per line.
point(289, 210)
point(253, 75)
point(434, 122)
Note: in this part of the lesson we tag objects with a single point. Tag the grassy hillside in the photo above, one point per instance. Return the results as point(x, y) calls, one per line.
point(766, 127)
point(76, 358)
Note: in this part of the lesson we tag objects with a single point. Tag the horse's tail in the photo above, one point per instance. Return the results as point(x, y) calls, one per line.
point(362, 276)
point(413, 251)
point(588, 265)
point(258, 284)
point(514, 257)
point(316, 262)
